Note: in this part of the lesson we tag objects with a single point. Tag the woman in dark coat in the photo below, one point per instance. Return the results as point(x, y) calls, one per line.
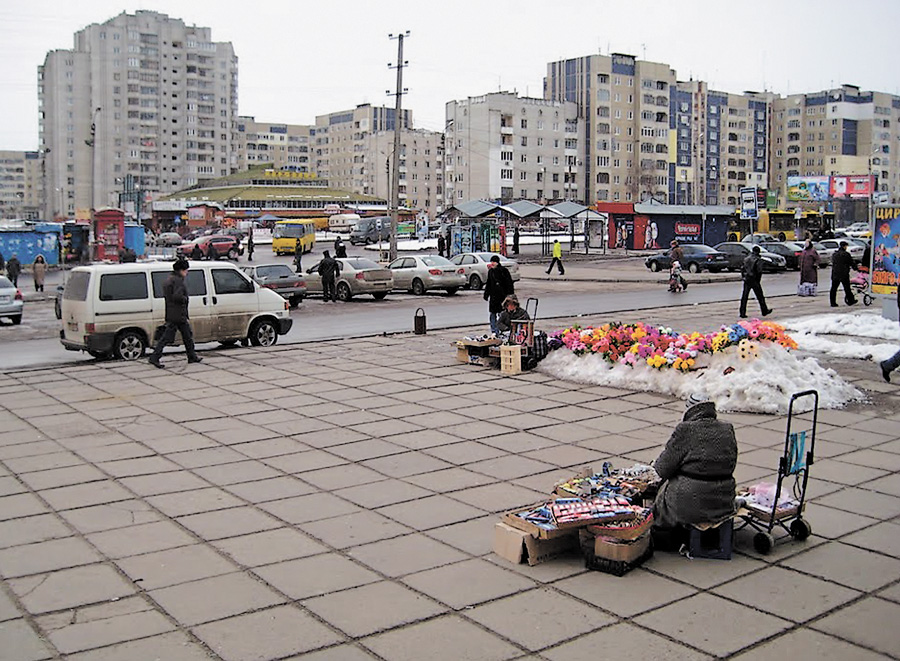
point(809, 264)
point(697, 468)
point(499, 285)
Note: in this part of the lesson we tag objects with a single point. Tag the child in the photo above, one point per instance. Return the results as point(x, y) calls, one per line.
point(675, 276)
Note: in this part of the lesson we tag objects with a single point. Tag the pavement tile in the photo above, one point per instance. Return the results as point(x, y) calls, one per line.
point(840, 471)
point(464, 452)
point(46, 556)
point(645, 591)
point(192, 502)
point(274, 488)
point(871, 622)
point(37, 455)
point(314, 576)
point(70, 588)
point(807, 644)
point(622, 641)
point(712, 624)
point(31, 529)
point(143, 538)
point(381, 493)
point(405, 555)
point(567, 455)
point(152, 485)
point(499, 497)
point(229, 522)
point(702, 574)
point(430, 512)
point(354, 529)
point(268, 634)
point(519, 441)
point(20, 505)
point(847, 565)
point(235, 473)
point(271, 546)
point(387, 605)
point(832, 523)
point(214, 598)
point(309, 508)
point(862, 501)
point(467, 583)
point(510, 467)
point(117, 452)
point(889, 484)
point(300, 462)
point(174, 566)
point(432, 640)
point(19, 642)
point(873, 458)
point(892, 593)
point(329, 437)
point(138, 466)
point(8, 609)
point(339, 477)
point(84, 495)
point(211, 456)
point(474, 537)
point(406, 464)
point(474, 431)
point(105, 624)
point(174, 645)
point(449, 479)
point(881, 537)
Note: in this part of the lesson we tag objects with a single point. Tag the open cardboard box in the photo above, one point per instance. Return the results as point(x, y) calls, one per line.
point(519, 546)
point(616, 549)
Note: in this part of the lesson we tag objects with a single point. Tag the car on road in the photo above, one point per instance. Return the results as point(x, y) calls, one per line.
point(737, 252)
point(857, 230)
point(359, 275)
point(856, 251)
point(790, 250)
point(697, 257)
point(371, 230)
point(475, 267)
point(760, 238)
point(12, 302)
point(422, 273)
point(226, 246)
point(168, 240)
point(825, 254)
point(281, 279)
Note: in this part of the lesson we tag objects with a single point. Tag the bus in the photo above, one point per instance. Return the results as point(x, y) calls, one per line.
point(286, 233)
point(784, 225)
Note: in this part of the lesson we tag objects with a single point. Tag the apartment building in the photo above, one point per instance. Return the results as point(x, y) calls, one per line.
point(624, 107)
point(836, 132)
point(141, 94)
point(421, 168)
point(285, 146)
point(500, 146)
point(20, 184)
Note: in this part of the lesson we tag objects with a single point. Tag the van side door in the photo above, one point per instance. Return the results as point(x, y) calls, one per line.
point(122, 299)
point(199, 306)
point(235, 302)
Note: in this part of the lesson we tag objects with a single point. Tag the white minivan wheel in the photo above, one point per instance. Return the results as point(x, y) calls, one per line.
point(130, 345)
point(263, 333)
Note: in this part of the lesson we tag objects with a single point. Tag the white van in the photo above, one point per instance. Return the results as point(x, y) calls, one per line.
point(115, 309)
point(343, 222)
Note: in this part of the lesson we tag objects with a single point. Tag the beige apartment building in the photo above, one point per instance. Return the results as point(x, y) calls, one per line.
point(500, 146)
point(140, 94)
point(421, 168)
point(21, 190)
point(285, 146)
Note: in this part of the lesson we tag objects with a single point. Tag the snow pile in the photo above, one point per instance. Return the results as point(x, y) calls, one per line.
point(809, 331)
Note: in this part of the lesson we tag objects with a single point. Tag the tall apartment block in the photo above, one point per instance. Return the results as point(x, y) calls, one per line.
point(285, 146)
point(141, 94)
point(500, 146)
point(21, 190)
point(624, 107)
point(421, 168)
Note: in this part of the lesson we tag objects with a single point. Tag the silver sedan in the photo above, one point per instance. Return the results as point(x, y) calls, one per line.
point(358, 276)
point(11, 301)
point(475, 267)
point(424, 272)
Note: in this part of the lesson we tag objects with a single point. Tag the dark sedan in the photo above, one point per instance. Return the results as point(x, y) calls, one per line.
point(737, 253)
point(697, 257)
point(790, 250)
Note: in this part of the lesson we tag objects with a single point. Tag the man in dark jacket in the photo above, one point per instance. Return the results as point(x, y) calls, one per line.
point(516, 240)
point(251, 246)
point(697, 469)
point(13, 269)
point(841, 263)
point(196, 253)
point(892, 363)
point(176, 296)
point(499, 285)
point(752, 275)
point(298, 256)
point(329, 268)
point(442, 245)
point(677, 253)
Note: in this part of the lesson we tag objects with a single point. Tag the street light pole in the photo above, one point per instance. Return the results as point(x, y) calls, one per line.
point(92, 143)
point(395, 170)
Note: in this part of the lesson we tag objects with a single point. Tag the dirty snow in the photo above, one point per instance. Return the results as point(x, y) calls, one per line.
point(812, 335)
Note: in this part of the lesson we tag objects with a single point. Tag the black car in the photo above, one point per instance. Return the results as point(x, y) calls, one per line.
point(790, 250)
point(737, 252)
point(697, 257)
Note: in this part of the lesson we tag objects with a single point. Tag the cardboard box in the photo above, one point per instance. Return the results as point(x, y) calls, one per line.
point(519, 546)
point(550, 531)
point(626, 532)
point(619, 550)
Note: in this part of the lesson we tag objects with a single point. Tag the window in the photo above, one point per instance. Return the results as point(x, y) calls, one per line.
point(195, 281)
point(228, 281)
point(123, 286)
point(506, 174)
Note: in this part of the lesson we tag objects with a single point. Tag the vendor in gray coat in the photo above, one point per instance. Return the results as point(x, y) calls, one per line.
point(697, 468)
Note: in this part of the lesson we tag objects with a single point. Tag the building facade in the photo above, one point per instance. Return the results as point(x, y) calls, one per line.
point(141, 94)
point(285, 146)
point(503, 147)
point(421, 168)
point(21, 190)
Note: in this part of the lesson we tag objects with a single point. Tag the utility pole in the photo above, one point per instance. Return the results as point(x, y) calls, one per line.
point(395, 169)
point(92, 143)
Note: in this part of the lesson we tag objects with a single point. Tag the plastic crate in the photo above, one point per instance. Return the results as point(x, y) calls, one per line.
point(511, 359)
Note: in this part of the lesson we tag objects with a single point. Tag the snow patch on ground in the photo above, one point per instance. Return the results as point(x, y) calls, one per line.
point(809, 331)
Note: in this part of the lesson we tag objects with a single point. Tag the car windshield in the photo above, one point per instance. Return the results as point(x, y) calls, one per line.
point(699, 247)
point(486, 256)
point(360, 264)
point(432, 260)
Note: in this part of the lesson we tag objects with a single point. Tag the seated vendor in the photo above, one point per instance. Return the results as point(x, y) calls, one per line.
point(697, 469)
point(511, 312)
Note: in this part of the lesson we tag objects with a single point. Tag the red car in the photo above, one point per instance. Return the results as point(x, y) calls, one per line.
point(225, 246)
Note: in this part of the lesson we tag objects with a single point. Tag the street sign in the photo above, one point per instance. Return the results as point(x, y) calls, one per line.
point(749, 208)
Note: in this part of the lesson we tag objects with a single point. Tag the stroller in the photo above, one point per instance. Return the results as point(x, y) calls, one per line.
point(860, 285)
point(675, 277)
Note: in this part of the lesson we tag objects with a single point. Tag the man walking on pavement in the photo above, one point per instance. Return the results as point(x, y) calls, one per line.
point(557, 258)
point(516, 240)
point(176, 296)
point(298, 256)
point(441, 245)
point(677, 253)
point(499, 285)
point(250, 246)
point(328, 270)
point(752, 275)
point(841, 263)
point(892, 363)
point(13, 269)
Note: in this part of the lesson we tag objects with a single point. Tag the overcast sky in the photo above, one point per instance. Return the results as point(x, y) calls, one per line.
point(298, 59)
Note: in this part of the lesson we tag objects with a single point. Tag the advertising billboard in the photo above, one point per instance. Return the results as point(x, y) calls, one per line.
point(853, 186)
point(807, 189)
point(749, 204)
point(886, 250)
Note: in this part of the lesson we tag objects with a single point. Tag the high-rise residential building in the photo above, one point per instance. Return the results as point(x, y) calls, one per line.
point(421, 168)
point(285, 146)
point(501, 146)
point(841, 131)
point(20, 184)
point(142, 94)
point(624, 105)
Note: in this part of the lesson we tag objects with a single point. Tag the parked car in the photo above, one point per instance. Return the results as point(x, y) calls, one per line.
point(226, 246)
point(11, 301)
point(738, 251)
point(856, 251)
point(759, 237)
point(790, 250)
point(825, 254)
point(169, 239)
point(475, 267)
point(858, 230)
point(358, 275)
point(424, 272)
point(281, 279)
point(697, 257)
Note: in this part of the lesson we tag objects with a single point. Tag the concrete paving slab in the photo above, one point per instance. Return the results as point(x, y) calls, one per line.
point(70, 588)
point(645, 591)
point(174, 645)
point(405, 555)
point(174, 566)
point(269, 547)
point(870, 623)
point(467, 583)
point(804, 643)
point(304, 578)
point(621, 641)
point(847, 565)
point(19, 639)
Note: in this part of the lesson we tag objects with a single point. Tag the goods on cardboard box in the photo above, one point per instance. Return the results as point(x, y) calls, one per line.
point(627, 530)
point(576, 512)
point(614, 556)
point(519, 546)
point(628, 482)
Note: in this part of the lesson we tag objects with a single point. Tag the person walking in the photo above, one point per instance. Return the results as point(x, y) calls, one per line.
point(212, 252)
point(442, 245)
point(298, 256)
point(516, 240)
point(329, 268)
point(250, 246)
point(676, 254)
point(557, 258)
point(751, 272)
point(892, 363)
point(841, 263)
point(39, 272)
point(196, 253)
point(809, 270)
point(340, 249)
point(499, 285)
point(176, 296)
point(13, 269)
